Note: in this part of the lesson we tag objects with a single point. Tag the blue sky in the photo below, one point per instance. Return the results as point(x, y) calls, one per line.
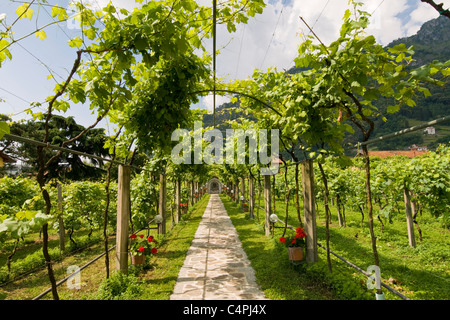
point(268, 40)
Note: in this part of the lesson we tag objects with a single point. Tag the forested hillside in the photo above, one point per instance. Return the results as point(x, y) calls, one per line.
point(432, 42)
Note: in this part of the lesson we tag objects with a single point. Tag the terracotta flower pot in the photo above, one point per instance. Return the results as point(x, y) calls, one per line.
point(137, 260)
point(296, 253)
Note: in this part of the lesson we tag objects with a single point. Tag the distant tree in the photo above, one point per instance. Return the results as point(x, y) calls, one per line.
point(69, 166)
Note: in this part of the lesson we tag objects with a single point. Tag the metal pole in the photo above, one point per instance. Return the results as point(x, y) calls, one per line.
point(71, 275)
point(402, 132)
point(51, 146)
point(366, 274)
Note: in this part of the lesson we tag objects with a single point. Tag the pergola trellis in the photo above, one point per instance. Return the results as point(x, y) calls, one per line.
point(123, 206)
point(124, 177)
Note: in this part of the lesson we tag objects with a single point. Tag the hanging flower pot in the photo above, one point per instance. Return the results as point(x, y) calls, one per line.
point(296, 253)
point(296, 245)
point(137, 260)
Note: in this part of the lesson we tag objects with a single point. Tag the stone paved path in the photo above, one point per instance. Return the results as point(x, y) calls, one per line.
point(216, 266)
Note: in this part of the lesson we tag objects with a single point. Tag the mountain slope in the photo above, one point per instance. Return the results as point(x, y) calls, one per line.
point(432, 42)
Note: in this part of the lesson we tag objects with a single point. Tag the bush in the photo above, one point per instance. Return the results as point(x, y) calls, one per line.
point(120, 286)
point(15, 191)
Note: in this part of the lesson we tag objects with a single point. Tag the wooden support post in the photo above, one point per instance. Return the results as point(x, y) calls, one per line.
point(274, 201)
point(194, 198)
point(123, 218)
point(309, 211)
point(178, 200)
point(192, 192)
point(251, 192)
point(236, 192)
point(267, 205)
point(409, 218)
point(62, 245)
point(196, 191)
point(162, 203)
point(242, 193)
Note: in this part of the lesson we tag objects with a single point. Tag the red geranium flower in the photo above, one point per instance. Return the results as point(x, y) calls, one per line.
point(296, 239)
point(141, 236)
point(150, 239)
point(141, 249)
point(133, 236)
point(154, 250)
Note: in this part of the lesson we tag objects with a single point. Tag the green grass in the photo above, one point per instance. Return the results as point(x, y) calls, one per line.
point(421, 273)
point(35, 283)
point(279, 279)
point(156, 283)
point(159, 282)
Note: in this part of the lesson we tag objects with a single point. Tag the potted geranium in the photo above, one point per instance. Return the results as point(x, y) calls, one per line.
point(141, 247)
point(184, 207)
point(245, 206)
point(296, 244)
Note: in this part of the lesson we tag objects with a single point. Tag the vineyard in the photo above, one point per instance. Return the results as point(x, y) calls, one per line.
point(92, 204)
point(418, 272)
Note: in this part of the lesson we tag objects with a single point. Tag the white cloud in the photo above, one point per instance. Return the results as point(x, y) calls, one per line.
point(387, 24)
point(419, 16)
point(272, 38)
point(269, 39)
point(208, 103)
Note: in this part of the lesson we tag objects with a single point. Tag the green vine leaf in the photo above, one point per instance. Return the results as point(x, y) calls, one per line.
point(4, 128)
point(24, 11)
point(41, 34)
